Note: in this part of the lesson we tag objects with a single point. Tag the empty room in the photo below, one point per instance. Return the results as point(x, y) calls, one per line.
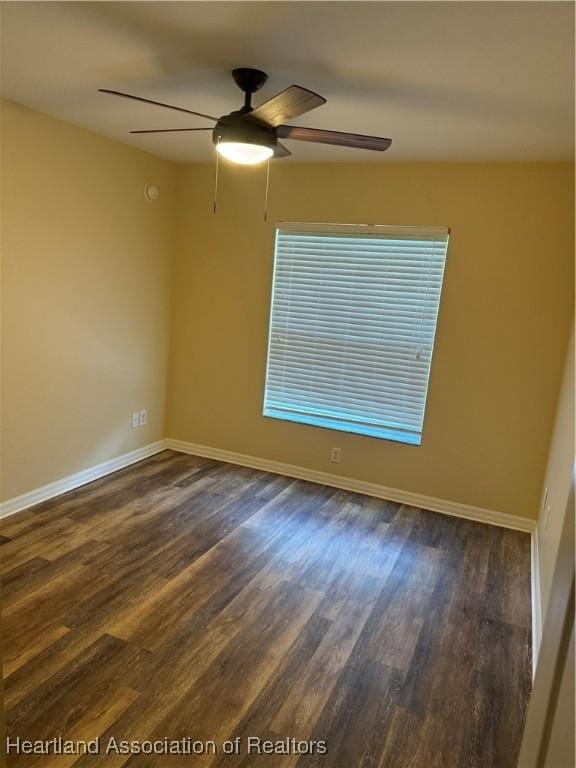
point(287, 384)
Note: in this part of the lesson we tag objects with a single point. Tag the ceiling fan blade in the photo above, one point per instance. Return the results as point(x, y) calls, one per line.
point(320, 136)
point(173, 130)
point(281, 151)
point(156, 103)
point(292, 102)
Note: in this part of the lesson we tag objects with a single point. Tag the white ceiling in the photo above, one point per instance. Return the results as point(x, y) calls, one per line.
point(445, 80)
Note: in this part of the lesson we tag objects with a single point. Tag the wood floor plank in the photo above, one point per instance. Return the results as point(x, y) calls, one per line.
point(232, 682)
point(440, 675)
point(15, 525)
point(45, 541)
point(403, 606)
point(17, 657)
point(57, 706)
point(201, 660)
point(30, 622)
point(187, 597)
point(41, 666)
point(499, 694)
point(244, 551)
point(309, 695)
point(19, 579)
point(508, 583)
point(102, 712)
point(272, 696)
point(106, 487)
point(355, 719)
point(402, 732)
point(163, 682)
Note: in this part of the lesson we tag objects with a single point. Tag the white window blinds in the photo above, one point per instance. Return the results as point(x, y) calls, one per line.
point(352, 326)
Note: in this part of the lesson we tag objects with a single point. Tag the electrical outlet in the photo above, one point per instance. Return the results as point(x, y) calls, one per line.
point(135, 420)
point(143, 418)
point(335, 455)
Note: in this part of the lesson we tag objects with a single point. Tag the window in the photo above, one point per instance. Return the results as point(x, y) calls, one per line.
point(352, 327)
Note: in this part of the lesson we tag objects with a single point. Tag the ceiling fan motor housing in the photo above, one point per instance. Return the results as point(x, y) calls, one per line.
point(238, 127)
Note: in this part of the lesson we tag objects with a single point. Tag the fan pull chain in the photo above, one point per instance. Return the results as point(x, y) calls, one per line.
point(267, 187)
point(216, 178)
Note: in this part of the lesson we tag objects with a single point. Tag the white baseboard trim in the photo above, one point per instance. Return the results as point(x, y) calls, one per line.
point(357, 486)
point(18, 503)
point(536, 601)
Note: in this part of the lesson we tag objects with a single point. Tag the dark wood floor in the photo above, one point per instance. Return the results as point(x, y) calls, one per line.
point(187, 597)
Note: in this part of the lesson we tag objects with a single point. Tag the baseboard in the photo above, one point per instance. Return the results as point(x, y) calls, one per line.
point(536, 601)
point(456, 509)
point(357, 486)
point(18, 503)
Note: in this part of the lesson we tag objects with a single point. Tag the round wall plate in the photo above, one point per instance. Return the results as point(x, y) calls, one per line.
point(151, 192)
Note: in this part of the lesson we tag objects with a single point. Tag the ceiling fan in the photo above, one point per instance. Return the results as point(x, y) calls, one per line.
point(250, 134)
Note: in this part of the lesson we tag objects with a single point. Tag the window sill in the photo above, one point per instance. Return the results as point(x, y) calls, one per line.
point(381, 433)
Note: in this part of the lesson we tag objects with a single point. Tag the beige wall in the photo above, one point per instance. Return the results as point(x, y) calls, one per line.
point(561, 750)
point(504, 319)
point(85, 298)
point(557, 481)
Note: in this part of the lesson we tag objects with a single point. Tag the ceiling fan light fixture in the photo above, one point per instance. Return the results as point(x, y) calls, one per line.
point(243, 153)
